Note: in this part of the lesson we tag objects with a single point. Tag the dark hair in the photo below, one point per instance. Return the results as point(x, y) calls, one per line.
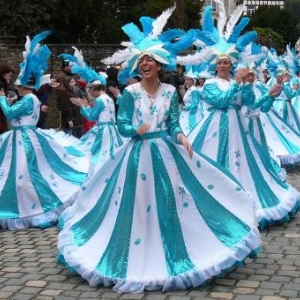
point(4, 69)
point(98, 87)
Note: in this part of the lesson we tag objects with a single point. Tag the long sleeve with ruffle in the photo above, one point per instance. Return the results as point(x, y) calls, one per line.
point(125, 114)
point(92, 113)
point(24, 107)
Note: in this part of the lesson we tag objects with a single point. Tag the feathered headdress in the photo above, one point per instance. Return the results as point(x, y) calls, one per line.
point(81, 68)
point(221, 41)
point(198, 71)
point(35, 61)
point(252, 57)
point(276, 64)
point(151, 40)
point(292, 60)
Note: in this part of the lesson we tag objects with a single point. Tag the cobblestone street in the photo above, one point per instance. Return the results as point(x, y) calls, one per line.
point(28, 269)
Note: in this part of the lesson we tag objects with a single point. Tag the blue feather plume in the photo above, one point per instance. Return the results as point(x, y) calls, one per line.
point(245, 39)
point(133, 32)
point(146, 24)
point(238, 29)
point(207, 19)
point(35, 61)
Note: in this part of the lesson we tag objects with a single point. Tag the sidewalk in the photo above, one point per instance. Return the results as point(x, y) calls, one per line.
point(28, 269)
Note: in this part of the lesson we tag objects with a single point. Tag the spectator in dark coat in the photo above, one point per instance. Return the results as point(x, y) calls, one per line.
point(5, 81)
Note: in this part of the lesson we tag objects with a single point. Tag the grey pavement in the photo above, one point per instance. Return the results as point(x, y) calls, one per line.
point(28, 269)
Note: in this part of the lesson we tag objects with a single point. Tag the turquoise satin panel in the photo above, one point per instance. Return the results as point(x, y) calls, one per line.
point(57, 163)
point(114, 260)
point(223, 146)
point(262, 150)
point(264, 192)
point(86, 227)
point(47, 198)
point(152, 135)
point(177, 259)
point(96, 148)
point(8, 198)
point(200, 138)
point(247, 94)
point(289, 146)
point(192, 118)
point(226, 226)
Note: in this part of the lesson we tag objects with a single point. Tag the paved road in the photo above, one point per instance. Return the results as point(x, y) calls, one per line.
point(28, 269)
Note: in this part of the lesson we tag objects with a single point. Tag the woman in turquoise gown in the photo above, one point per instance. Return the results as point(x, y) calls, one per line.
point(148, 212)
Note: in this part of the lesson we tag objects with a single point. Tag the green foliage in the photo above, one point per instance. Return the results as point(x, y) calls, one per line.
point(293, 6)
point(89, 21)
point(268, 37)
point(279, 20)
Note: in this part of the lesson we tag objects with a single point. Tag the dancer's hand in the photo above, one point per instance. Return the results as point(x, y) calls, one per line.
point(186, 144)
point(275, 90)
point(143, 129)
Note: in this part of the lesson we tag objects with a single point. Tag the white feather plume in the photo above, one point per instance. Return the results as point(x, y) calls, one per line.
point(199, 44)
point(126, 44)
point(118, 57)
point(222, 18)
point(27, 47)
point(160, 22)
point(233, 20)
point(194, 59)
point(79, 56)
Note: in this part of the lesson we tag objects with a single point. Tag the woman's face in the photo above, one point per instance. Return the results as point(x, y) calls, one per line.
point(223, 67)
point(201, 81)
point(188, 82)
point(7, 76)
point(148, 66)
point(250, 77)
point(72, 82)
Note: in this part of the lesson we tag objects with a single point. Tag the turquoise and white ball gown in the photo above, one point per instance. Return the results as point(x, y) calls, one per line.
point(221, 136)
point(255, 130)
point(38, 176)
point(103, 138)
point(283, 106)
point(281, 137)
point(193, 110)
point(153, 218)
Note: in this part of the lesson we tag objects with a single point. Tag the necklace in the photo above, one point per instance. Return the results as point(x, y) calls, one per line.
point(152, 96)
point(152, 99)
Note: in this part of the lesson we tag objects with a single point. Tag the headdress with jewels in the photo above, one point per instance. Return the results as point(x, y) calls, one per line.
point(35, 61)
point(81, 68)
point(151, 40)
point(223, 41)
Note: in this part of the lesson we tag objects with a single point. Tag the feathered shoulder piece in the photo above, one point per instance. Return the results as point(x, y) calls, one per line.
point(150, 40)
point(81, 68)
point(35, 61)
point(225, 39)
